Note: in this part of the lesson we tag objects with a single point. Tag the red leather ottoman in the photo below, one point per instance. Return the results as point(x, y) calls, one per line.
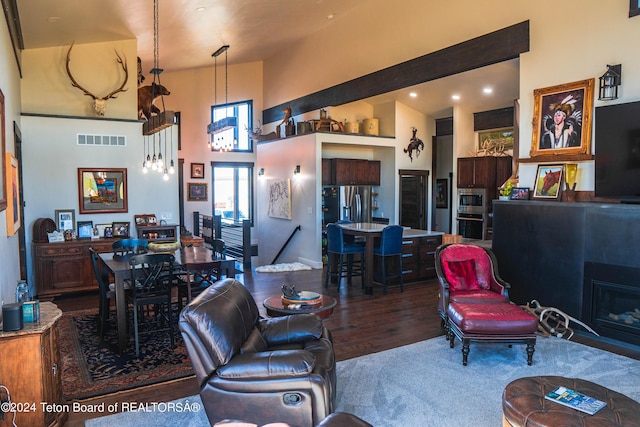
point(523, 404)
point(505, 323)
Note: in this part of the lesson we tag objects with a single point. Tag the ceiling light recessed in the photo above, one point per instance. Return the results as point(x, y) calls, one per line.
point(331, 16)
point(487, 90)
point(53, 19)
point(201, 9)
point(413, 95)
point(455, 97)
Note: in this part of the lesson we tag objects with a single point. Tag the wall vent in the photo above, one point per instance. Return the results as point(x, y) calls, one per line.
point(102, 140)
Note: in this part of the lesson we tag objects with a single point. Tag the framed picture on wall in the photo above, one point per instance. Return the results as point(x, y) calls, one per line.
point(102, 190)
point(197, 192)
point(442, 193)
point(562, 119)
point(197, 170)
point(120, 229)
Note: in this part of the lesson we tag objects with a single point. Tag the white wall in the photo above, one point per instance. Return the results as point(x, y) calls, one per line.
point(10, 87)
point(51, 162)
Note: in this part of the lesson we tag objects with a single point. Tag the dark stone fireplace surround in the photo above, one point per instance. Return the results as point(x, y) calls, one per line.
point(582, 258)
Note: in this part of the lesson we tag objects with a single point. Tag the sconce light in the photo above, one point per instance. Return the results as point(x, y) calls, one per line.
point(261, 172)
point(609, 83)
point(296, 171)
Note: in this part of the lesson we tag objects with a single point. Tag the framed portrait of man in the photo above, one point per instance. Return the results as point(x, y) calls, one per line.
point(562, 117)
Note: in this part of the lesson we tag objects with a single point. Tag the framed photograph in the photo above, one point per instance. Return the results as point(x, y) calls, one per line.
point(442, 193)
point(519, 193)
point(3, 195)
point(108, 231)
point(497, 140)
point(101, 229)
point(13, 195)
point(85, 229)
point(102, 190)
point(197, 170)
point(65, 219)
point(197, 192)
point(280, 198)
point(120, 229)
point(562, 118)
point(145, 219)
point(548, 183)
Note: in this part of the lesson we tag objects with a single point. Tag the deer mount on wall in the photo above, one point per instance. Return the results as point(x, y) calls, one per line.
point(100, 104)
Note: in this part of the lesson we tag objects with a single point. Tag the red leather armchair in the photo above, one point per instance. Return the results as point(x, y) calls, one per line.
point(468, 274)
point(255, 369)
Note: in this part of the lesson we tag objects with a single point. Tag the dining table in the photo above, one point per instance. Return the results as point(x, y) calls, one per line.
point(370, 230)
point(188, 258)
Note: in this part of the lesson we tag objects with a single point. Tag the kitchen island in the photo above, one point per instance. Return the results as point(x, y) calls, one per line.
point(418, 248)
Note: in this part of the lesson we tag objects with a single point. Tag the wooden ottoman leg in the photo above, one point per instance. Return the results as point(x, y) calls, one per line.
point(531, 343)
point(465, 351)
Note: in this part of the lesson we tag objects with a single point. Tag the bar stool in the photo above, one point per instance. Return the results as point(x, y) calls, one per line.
point(390, 246)
point(336, 246)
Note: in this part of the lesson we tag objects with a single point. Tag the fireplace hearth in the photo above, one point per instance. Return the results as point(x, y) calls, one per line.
point(611, 304)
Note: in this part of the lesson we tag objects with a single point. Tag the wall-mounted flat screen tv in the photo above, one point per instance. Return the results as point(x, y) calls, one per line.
point(617, 146)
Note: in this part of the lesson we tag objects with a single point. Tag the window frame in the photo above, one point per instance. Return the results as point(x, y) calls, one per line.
point(237, 129)
point(634, 8)
point(250, 166)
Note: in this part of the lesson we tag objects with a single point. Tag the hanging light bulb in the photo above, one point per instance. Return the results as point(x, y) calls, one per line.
point(165, 175)
point(144, 166)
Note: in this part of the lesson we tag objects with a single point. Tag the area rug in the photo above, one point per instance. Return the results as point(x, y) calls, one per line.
point(278, 268)
point(425, 384)
point(91, 368)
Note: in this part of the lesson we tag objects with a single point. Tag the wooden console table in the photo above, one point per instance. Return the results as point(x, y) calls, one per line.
point(65, 267)
point(30, 369)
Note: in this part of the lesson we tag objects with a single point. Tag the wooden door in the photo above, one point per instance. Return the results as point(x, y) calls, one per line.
point(413, 199)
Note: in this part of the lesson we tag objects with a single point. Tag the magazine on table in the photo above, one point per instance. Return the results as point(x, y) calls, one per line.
point(573, 399)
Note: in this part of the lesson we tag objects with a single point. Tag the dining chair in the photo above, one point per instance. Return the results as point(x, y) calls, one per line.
point(201, 275)
point(126, 247)
point(152, 278)
point(337, 247)
point(106, 293)
point(390, 246)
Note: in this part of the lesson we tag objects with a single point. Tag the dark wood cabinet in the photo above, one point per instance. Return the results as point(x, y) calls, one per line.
point(65, 267)
point(350, 172)
point(30, 369)
point(484, 172)
point(418, 257)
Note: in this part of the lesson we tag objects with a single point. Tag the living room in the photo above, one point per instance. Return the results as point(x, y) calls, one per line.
point(38, 89)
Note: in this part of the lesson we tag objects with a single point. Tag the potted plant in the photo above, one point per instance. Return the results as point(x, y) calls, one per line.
point(505, 191)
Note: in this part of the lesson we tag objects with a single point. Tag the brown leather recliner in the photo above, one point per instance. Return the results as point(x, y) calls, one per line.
point(255, 369)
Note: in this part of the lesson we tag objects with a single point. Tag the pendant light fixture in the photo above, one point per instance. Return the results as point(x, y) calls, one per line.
point(163, 119)
point(216, 128)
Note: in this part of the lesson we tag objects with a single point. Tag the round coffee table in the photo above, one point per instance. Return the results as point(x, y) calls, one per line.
point(275, 307)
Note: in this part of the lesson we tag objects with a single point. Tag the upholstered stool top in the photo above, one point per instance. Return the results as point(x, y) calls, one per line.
point(523, 404)
point(499, 319)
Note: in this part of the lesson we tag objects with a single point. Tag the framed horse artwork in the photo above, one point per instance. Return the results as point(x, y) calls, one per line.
point(548, 184)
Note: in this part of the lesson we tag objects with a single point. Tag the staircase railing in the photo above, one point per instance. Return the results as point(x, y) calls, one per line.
point(295, 230)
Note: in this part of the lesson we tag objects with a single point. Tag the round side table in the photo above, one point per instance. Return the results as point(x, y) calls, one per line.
point(275, 307)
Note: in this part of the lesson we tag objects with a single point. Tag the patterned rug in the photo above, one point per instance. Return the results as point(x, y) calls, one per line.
point(91, 369)
point(277, 268)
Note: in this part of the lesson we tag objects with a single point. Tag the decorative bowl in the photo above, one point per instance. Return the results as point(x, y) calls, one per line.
point(169, 247)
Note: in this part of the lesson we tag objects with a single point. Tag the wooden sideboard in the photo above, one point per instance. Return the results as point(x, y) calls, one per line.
point(65, 267)
point(30, 370)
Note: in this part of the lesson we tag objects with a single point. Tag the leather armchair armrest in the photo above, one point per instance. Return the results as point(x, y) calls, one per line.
point(297, 328)
point(269, 365)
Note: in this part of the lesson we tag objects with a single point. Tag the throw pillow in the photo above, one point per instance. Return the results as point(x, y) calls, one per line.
point(462, 275)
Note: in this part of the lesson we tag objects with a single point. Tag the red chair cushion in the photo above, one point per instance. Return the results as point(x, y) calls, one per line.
point(460, 276)
point(477, 296)
point(498, 319)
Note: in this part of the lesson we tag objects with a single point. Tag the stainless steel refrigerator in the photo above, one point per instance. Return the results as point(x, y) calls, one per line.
point(356, 203)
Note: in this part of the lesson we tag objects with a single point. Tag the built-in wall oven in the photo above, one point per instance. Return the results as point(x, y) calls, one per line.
point(472, 215)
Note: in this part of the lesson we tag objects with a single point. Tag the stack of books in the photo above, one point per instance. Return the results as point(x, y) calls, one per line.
point(573, 399)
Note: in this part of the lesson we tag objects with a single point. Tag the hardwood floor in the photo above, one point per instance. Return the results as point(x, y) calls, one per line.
point(361, 324)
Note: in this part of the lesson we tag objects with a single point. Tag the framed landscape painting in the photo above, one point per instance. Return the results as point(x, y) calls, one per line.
point(102, 190)
point(562, 118)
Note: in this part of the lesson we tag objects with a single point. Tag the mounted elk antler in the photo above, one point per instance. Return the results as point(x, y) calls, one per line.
point(100, 104)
